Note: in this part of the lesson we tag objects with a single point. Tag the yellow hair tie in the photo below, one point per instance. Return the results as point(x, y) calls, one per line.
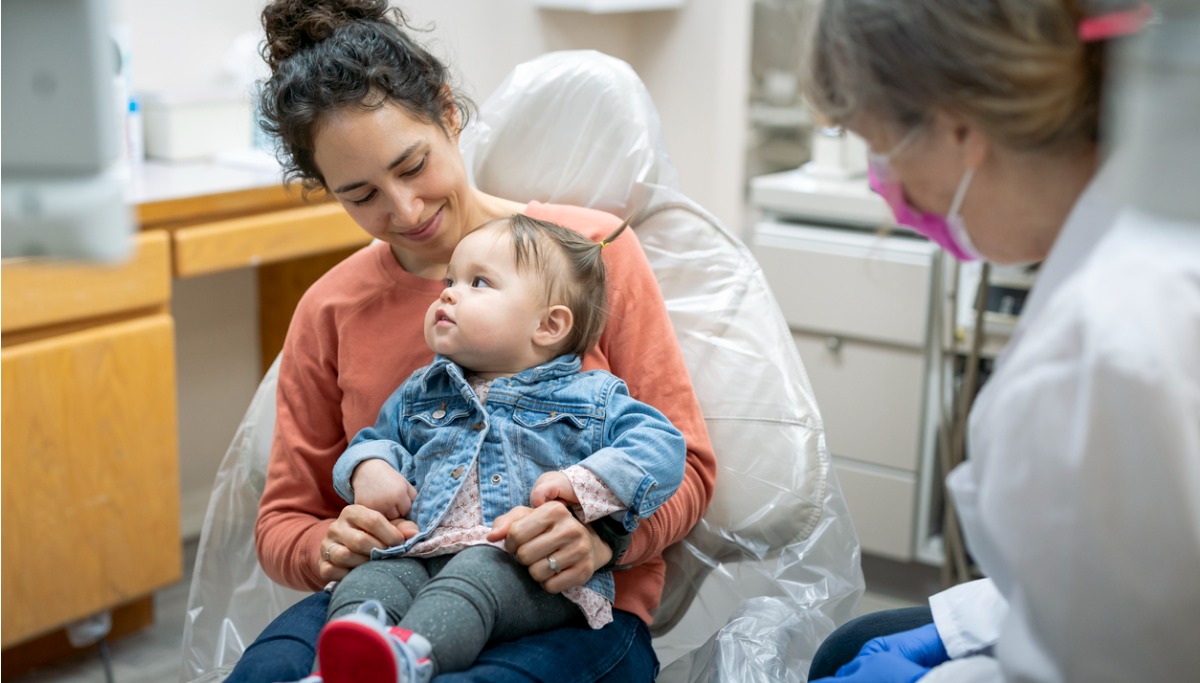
point(616, 233)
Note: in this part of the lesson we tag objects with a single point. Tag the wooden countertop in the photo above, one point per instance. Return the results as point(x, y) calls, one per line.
point(226, 216)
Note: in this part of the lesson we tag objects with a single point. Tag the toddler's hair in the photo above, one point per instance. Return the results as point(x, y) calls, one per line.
point(571, 271)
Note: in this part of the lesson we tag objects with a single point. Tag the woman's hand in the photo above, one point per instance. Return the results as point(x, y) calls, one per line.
point(534, 536)
point(354, 534)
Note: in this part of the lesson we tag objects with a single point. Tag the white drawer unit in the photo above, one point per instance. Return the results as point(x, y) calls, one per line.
point(883, 505)
point(860, 304)
point(871, 397)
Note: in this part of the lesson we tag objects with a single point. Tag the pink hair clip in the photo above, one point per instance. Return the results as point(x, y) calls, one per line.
point(1115, 24)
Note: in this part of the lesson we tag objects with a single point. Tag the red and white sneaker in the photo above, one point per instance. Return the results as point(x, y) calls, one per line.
point(362, 648)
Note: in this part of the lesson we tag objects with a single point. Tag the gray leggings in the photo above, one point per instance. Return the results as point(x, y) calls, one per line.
point(459, 602)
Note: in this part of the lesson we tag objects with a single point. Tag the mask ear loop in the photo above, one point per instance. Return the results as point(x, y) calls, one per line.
point(961, 192)
point(954, 219)
point(882, 161)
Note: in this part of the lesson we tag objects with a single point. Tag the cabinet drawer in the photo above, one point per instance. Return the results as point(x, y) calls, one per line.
point(881, 505)
point(847, 282)
point(90, 473)
point(39, 293)
point(267, 238)
point(871, 397)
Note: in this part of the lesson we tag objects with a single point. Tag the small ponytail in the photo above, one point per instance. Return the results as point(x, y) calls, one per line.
point(616, 233)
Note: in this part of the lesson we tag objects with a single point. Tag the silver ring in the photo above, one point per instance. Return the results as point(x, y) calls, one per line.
point(325, 553)
point(553, 564)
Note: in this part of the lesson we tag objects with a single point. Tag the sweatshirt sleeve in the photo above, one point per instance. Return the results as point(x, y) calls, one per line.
point(382, 441)
point(299, 502)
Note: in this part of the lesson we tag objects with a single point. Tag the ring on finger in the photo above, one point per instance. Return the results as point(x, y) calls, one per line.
point(326, 552)
point(553, 564)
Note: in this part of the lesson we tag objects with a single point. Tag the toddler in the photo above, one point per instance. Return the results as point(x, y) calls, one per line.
point(503, 417)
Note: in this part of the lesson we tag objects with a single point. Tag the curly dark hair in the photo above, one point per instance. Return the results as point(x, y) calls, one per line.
point(329, 54)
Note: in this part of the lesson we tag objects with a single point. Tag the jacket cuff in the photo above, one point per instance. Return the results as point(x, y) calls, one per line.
point(354, 456)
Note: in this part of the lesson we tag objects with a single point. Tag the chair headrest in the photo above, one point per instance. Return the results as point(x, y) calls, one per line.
point(574, 127)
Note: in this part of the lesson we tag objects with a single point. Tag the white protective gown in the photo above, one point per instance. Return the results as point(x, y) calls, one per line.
point(1081, 496)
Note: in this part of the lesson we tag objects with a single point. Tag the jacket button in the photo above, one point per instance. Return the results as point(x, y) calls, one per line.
point(495, 478)
point(457, 472)
point(439, 414)
point(477, 427)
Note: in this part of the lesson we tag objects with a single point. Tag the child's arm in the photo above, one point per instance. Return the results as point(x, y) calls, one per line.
point(371, 470)
point(638, 469)
point(377, 485)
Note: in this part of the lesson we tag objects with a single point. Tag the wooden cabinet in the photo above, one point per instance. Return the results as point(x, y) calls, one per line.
point(90, 461)
point(290, 240)
point(90, 482)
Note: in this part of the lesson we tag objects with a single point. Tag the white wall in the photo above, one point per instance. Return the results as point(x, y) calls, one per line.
point(696, 64)
point(694, 61)
point(177, 44)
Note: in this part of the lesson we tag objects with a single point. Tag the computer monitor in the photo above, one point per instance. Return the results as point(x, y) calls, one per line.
point(62, 180)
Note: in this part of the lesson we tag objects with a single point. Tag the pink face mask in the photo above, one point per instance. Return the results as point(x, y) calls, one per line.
point(948, 231)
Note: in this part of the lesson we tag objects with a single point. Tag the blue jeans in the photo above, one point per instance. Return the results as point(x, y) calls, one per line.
point(844, 643)
point(618, 653)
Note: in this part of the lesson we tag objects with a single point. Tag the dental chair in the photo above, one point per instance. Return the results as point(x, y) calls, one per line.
point(773, 566)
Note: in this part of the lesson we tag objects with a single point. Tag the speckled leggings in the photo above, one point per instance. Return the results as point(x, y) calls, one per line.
point(459, 602)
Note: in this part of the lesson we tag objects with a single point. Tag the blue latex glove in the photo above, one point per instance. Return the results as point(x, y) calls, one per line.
point(899, 658)
point(921, 646)
point(877, 667)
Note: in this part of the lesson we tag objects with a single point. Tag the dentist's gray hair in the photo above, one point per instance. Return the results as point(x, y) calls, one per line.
point(1017, 68)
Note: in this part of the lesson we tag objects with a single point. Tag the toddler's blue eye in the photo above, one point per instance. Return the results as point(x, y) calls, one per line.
point(480, 282)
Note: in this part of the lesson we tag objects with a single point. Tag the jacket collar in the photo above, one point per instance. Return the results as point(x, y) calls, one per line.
point(562, 366)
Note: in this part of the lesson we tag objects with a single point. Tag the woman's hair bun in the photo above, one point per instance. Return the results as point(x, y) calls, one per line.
point(293, 25)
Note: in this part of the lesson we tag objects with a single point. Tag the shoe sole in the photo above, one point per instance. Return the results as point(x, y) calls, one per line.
point(353, 652)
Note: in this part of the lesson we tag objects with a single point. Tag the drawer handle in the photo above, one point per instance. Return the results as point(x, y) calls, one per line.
point(834, 344)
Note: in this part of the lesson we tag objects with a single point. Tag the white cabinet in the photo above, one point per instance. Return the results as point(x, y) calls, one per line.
point(861, 308)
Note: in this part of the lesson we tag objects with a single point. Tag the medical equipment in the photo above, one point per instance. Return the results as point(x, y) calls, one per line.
point(64, 181)
point(774, 565)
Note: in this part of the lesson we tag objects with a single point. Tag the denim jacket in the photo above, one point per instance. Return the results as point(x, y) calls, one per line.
point(434, 427)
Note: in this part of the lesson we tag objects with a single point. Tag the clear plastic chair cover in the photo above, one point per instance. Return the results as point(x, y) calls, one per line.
point(774, 565)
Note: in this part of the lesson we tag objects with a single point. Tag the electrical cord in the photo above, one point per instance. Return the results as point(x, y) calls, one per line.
point(106, 660)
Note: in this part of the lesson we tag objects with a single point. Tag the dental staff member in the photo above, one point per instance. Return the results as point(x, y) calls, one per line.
point(1080, 498)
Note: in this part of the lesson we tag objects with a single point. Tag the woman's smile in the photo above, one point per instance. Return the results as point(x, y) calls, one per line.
point(425, 230)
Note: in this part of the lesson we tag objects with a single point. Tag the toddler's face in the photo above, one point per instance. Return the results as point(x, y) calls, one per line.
point(486, 316)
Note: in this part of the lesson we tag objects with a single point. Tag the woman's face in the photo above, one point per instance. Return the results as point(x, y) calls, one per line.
point(1010, 212)
point(401, 179)
point(925, 163)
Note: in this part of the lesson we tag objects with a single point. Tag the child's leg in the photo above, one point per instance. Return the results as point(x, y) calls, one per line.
point(393, 582)
point(480, 595)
